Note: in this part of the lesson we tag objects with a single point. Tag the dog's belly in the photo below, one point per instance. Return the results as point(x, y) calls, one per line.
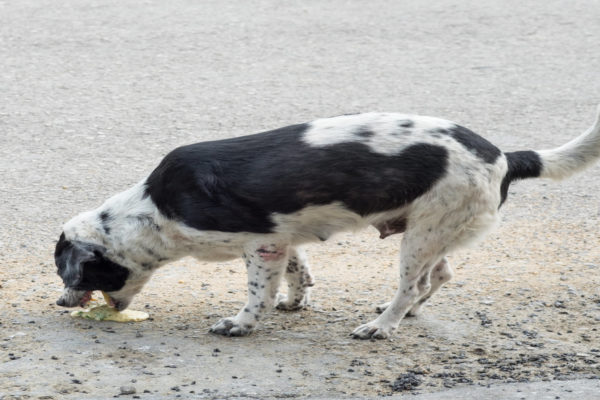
point(217, 254)
point(310, 224)
point(316, 223)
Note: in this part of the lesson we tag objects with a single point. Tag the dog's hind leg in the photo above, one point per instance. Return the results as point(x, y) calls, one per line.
point(423, 249)
point(299, 280)
point(381, 308)
point(440, 274)
point(265, 265)
point(418, 257)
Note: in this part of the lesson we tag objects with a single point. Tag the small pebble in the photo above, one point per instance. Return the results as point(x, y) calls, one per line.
point(125, 390)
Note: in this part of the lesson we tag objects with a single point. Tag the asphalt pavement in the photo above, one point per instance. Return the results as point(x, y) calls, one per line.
point(94, 93)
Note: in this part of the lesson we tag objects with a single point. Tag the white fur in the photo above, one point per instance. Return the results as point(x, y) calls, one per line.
point(579, 153)
point(342, 129)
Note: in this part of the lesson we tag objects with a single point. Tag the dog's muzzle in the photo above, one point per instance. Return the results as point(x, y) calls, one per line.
point(73, 298)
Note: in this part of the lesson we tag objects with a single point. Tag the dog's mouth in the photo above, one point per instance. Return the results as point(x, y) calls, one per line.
point(85, 300)
point(107, 298)
point(119, 305)
point(74, 298)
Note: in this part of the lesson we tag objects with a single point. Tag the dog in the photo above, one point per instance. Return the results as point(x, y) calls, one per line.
point(261, 197)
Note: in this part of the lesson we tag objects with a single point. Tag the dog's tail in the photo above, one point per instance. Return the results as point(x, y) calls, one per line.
point(558, 163)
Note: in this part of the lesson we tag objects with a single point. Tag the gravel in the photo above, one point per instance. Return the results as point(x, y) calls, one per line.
point(408, 381)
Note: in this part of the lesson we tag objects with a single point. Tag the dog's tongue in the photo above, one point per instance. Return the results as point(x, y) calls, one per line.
point(86, 298)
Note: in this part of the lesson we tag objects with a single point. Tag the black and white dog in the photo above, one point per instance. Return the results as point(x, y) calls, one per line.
point(261, 197)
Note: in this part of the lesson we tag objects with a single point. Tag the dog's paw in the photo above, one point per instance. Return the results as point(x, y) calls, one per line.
point(371, 331)
point(230, 327)
point(282, 303)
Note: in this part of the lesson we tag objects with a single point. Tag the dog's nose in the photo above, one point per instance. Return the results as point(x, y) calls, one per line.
point(61, 302)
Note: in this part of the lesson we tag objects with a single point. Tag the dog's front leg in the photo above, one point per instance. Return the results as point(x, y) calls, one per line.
point(265, 264)
point(299, 281)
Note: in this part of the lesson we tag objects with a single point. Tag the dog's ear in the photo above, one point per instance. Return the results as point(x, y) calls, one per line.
point(70, 256)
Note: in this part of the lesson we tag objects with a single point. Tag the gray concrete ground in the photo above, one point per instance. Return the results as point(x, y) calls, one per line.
point(93, 94)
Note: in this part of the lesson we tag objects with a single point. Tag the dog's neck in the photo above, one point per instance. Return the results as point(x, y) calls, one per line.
point(127, 226)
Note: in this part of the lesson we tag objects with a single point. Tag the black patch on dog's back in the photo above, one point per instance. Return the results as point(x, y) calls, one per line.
point(473, 142)
point(521, 165)
point(234, 185)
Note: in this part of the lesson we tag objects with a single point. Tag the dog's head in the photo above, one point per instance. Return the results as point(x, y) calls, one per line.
point(84, 267)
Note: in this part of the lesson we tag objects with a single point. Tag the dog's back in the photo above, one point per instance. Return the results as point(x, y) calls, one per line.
point(369, 164)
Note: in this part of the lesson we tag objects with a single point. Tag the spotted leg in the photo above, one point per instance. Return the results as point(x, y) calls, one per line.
point(299, 280)
point(440, 274)
point(265, 265)
point(417, 259)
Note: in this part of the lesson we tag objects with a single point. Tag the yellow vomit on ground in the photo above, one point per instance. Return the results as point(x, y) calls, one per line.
point(107, 313)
